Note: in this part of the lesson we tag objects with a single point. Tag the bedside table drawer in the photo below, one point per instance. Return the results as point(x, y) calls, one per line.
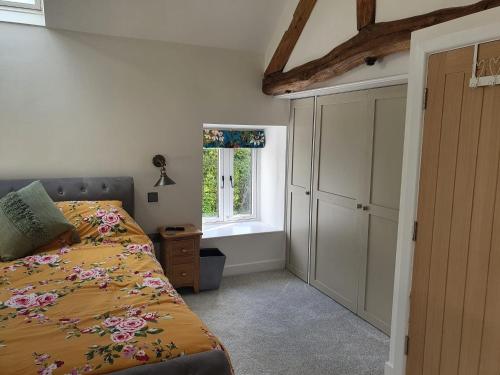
point(181, 246)
point(182, 252)
point(182, 274)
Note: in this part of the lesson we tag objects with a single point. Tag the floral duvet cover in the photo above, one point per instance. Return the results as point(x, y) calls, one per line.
point(95, 307)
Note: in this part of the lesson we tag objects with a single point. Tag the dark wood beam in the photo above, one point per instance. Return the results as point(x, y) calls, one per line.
point(291, 36)
point(365, 12)
point(372, 42)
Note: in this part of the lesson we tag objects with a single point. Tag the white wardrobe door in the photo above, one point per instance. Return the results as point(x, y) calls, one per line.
point(342, 134)
point(299, 185)
point(381, 210)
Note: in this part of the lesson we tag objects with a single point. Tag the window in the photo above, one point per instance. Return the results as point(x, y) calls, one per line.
point(25, 4)
point(28, 12)
point(229, 184)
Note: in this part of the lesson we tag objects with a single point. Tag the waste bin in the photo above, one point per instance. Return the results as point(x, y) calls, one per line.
point(211, 266)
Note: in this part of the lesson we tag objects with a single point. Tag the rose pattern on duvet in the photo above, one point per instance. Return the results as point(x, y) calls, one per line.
point(99, 275)
point(64, 250)
point(35, 263)
point(159, 286)
point(104, 229)
point(123, 333)
point(46, 259)
point(46, 299)
point(108, 222)
point(44, 366)
point(132, 324)
point(134, 248)
point(111, 321)
point(154, 282)
point(137, 250)
point(22, 301)
point(31, 306)
point(121, 336)
point(24, 290)
point(88, 274)
point(129, 351)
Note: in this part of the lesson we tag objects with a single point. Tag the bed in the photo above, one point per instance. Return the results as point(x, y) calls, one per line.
point(102, 305)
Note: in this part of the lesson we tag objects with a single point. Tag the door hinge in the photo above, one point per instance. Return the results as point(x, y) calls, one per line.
point(426, 95)
point(407, 344)
point(415, 231)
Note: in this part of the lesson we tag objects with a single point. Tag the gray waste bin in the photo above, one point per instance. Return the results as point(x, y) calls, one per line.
point(211, 266)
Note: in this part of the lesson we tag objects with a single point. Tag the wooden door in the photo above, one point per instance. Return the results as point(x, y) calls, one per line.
point(455, 298)
point(342, 147)
point(299, 185)
point(379, 221)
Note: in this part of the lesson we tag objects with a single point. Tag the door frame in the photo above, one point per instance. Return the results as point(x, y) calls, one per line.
point(476, 28)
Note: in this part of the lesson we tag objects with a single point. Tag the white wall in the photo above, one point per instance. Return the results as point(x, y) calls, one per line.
point(333, 22)
point(272, 177)
point(75, 104)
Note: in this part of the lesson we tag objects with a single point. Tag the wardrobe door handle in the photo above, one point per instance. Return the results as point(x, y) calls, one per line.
point(308, 193)
point(359, 206)
point(366, 208)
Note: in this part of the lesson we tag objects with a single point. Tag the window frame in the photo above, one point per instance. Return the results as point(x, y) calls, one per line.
point(220, 196)
point(18, 6)
point(226, 196)
point(229, 212)
point(38, 6)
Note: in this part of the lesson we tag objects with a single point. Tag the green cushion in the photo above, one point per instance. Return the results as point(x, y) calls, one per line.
point(29, 219)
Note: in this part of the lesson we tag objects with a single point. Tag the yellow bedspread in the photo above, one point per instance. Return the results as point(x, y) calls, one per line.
point(94, 307)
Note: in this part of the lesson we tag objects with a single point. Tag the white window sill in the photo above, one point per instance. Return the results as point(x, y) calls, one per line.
point(217, 230)
point(27, 17)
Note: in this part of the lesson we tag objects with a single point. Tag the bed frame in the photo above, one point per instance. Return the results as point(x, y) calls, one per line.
point(122, 188)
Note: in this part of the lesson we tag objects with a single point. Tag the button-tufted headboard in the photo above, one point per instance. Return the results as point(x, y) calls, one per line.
point(81, 189)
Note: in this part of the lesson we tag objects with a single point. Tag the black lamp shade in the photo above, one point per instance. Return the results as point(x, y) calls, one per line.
point(160, 162)
point(164, 180)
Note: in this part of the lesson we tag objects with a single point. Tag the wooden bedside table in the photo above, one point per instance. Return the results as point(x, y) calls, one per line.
point(180, 256)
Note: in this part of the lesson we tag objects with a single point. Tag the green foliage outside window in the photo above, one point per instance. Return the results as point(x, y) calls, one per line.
point(242, 192)
point(210, 185)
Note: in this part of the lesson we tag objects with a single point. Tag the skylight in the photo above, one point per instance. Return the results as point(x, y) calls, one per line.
point(22, 11)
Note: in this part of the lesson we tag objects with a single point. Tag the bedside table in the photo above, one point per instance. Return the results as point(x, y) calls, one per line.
point(180, 256)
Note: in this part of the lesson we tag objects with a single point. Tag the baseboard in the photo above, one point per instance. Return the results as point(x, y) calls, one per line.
point(264, 265)
point(389, 369)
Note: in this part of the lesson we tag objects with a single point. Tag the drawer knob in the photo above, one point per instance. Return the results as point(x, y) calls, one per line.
point(183, 274)
point(184, 251)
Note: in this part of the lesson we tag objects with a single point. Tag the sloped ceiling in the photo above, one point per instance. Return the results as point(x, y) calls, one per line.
point(232, 24)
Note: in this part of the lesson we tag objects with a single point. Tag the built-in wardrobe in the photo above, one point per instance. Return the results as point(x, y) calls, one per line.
point(344, 176)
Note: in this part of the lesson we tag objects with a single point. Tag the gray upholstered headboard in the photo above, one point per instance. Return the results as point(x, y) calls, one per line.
point(81, 189)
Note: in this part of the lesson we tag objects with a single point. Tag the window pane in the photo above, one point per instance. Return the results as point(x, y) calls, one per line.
point(210, 199)
point(30, 4)
point(242, 173)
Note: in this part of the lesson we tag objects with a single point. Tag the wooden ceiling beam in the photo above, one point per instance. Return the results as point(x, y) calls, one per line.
point(291, 36)
point(365, 12)
point(372, 42)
